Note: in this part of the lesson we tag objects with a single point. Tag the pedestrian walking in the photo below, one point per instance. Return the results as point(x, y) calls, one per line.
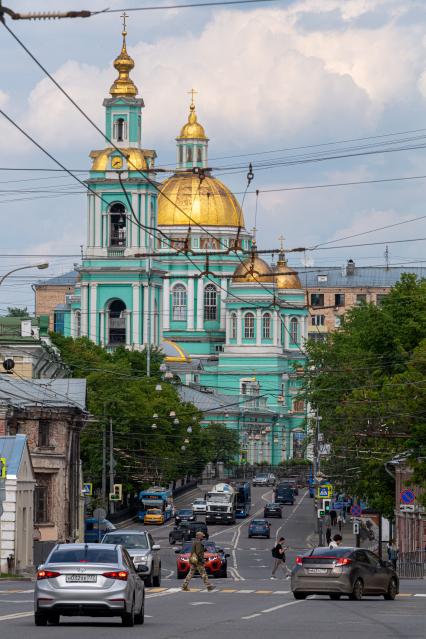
point(339, 522)
point(278, 553)
point(333, 517)
point(328, 535)
point(337, 540)
point(393, 553)
point(196, 562)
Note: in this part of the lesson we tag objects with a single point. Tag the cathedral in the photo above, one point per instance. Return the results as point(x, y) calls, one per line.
point(172, 265)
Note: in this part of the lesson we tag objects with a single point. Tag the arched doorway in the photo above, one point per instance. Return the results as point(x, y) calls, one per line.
point(116, 323)
point(118, 230)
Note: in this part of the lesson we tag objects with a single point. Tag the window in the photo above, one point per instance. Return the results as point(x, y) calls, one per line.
point(121, 129)
point(179, 301)
point(189, 154)
point(249, 326)
point(339, 299)
point(379, 298)
point(77, 324)
point(178, 243)
point(294, 331)
point(209, 243)
point(298, 405)
point(199, 155)
point(318, 320)
point(361, 298)
point(210, 302)
point(317, 337)
point(117, 225)
point(266, 326)
point(42, 500)
point(181, 155)
point(43, 433)
point(317, 299)
point(249, 387)
point(233, 326)
point(59, 322)
point(337, 321)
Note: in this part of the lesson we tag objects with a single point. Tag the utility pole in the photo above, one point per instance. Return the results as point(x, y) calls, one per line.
point(111, 464)
point(104, 452)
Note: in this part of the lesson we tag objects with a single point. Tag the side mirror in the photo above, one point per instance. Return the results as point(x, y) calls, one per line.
point(156, 547)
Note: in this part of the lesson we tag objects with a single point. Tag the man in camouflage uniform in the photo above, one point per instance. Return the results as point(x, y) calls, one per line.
point(198, 550)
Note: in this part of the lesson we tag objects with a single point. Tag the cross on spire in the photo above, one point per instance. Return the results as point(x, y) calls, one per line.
point(192, 93)
point(254, 230)
point(281, 239)
point(124, 16)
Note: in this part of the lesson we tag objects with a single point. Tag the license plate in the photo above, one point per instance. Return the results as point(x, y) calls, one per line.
point(317, 571)
point(81, 578)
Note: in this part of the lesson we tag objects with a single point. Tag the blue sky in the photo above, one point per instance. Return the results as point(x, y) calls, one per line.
point(269, 77)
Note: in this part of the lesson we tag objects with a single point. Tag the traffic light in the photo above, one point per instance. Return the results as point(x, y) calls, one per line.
point(117, 495)
point(326, 505)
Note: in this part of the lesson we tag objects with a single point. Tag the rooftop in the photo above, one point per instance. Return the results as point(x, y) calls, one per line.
point(12, 449)
point(58, 393)
point(352, 276)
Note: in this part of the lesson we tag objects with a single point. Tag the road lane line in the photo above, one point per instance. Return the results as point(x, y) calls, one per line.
point(407, 595)
point(289, 603)
point(245, 592)
point(257, 614)
point(17, 615)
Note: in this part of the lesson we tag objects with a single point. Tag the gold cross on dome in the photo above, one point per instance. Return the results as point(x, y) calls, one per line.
point(124, 16)
point(281, 239)
point(192, 93)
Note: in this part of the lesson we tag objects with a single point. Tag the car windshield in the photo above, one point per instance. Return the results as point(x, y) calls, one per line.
point(154, 511)
point(263, 476)
point(185, 512)
point(199, 501)
point(127, 540)
point(258, 522)
point(84, 555)
point(209, 546)
point(330, 552)
point(272, 505)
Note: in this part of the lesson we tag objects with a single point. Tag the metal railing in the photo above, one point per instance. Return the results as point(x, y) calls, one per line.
point(411, 565)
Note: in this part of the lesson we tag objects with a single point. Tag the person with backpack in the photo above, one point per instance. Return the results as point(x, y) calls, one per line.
point(196, 562)
point(278, 553)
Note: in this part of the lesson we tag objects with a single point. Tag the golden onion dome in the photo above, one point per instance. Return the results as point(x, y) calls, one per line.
point(192, 130)
point(123, 86)
point(135, 157)
point(184, 200)
point(287, 277)
point(253, 269)
point(173, 352)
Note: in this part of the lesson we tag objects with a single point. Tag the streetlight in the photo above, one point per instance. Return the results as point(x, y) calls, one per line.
point(21, 268)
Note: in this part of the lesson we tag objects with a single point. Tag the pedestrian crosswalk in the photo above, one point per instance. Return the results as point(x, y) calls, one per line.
point(244, 591)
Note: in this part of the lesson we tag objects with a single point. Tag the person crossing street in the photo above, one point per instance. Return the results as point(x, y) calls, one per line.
point(196, 561)
point(278, 553)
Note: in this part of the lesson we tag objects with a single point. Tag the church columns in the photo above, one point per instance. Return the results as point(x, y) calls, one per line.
point(93, 312)
point(127, 315)
point(84, 291)
point(190, 304)
point(102, 327)
point(145, 313)
point(136, 288)
point(258, 326)
point(286, 329)
point(277, 329)
point(239, 327)
point(227, 327)
point(223, 294)
point(166, 305)
point(200, 304)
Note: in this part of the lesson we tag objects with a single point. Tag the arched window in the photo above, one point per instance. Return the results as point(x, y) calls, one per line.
point(294, 331)
point(179, 302)
point(233, 334)
point(210, 302)
point(117, 225)
point(249, 326)
point(181, 155)
point(189, 153)
point(266, 326)
point(117, 322)
point(199, 155)
point(120, 127)
point(77, 318)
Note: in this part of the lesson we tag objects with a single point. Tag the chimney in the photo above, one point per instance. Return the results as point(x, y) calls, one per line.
point(350, 267)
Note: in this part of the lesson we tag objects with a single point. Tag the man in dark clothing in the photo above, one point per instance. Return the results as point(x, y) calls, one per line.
point(279, 558)
point(328, 535)
point(333, 517)
point(197, 550)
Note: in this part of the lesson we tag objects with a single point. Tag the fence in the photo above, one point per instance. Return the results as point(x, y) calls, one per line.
point(411, 565)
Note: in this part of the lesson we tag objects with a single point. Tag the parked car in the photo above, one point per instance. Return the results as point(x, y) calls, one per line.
point(95, 580)
point(264, 479)
point(259, 528)
point(186, 530)
point(142, 549)
point(215, 560)
point(184, 514)
point(95, 529)
point(273, 510)
point(343, 571)
point(199, 506)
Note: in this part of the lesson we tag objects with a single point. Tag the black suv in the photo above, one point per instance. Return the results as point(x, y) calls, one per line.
point(185, 531)
point(272, 510)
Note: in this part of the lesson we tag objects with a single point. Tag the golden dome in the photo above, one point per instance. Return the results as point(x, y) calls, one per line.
point(184, 200)
point(289, 277)
point(192, 130)
point(253, 269)
point(136, 159)
point(123, 85)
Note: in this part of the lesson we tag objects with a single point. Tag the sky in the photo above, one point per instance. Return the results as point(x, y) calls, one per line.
point(278, 83)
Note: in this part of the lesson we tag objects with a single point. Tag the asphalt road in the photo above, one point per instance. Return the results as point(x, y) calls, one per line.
point(247, 604)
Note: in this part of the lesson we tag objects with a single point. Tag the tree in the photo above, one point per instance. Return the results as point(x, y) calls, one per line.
point(15, 311)
point(220, 443)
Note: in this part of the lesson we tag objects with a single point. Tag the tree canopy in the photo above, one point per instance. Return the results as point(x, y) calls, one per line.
point(15, 311)
point(368, 383)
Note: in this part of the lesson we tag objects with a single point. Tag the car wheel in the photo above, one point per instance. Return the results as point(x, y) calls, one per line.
point(40, 619)
point(148, 581)
point(128, 618)
point(140, 617)
point(357, 591)
point(157, 579)
point(335, 596)
point(392, 591)
point(299, 595)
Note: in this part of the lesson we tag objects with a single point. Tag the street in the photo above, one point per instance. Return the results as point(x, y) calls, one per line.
point(248, 603)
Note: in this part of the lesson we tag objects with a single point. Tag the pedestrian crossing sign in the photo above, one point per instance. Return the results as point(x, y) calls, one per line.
point(325, 491)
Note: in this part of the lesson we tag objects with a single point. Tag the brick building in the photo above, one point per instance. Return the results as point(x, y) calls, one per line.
point(53, 292)
point(51, 413)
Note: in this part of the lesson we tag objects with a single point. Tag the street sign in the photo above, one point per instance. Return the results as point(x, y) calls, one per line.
point(355, 529)
point(87, 490)
point(407, 497)
point(99, 513)
point(356, 510)
point(325, 491)
point(320, 513)
point(3, 467)
point(407, 508)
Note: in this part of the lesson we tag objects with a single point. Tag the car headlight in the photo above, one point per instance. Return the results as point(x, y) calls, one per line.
point(140, 559)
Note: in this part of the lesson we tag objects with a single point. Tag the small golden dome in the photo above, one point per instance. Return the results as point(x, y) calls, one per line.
point(135, 157)
point(192, 130)
point(123, 85)
point(184, 200)
point(289, 277)
point(253, 269)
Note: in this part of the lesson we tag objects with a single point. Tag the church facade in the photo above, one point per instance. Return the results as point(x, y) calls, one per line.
point(172, 265)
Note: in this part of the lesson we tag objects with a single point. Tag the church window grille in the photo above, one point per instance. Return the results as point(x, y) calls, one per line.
point(210, 302)
point(179, 302)
point(117, 322)
point(249, 326)
point(266, 326)
point(118, 230)
point(294, 331)
point(120, 127)
point(233, 326)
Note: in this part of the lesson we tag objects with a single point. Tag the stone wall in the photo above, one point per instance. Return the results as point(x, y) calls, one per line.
point(48, 297)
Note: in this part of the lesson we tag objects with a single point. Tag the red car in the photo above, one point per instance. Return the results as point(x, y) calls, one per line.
point(215, 560)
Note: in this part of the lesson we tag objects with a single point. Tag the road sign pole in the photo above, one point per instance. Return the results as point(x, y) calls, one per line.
point(320, 532)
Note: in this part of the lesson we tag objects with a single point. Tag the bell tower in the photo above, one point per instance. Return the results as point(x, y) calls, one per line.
point(192, 143)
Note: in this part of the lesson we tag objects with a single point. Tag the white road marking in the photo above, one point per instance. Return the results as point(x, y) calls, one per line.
point(17, 615)
point(420, 595)
point(289, 603)
point(257, 614)
point(202, 603)
point(245, 592)
point(281, 592)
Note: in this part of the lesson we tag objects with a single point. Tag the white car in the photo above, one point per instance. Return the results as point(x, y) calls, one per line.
point(199, 505)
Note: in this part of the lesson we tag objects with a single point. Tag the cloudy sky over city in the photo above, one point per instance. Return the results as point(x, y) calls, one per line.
point(284, 85)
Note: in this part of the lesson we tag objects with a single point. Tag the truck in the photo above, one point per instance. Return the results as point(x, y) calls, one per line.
point(221, 504)
point(243, 497)
point(156, 497)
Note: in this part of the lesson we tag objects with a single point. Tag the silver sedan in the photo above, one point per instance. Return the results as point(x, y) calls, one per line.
point(96, 580)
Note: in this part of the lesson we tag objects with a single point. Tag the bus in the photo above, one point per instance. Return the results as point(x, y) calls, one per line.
point(156, 497)
point(243, 499)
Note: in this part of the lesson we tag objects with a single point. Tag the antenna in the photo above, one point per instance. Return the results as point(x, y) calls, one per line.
point(387, 257)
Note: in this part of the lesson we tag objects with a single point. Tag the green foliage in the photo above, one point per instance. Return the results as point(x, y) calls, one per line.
point(15, 311)
point(220, 443)
point(367, 382)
